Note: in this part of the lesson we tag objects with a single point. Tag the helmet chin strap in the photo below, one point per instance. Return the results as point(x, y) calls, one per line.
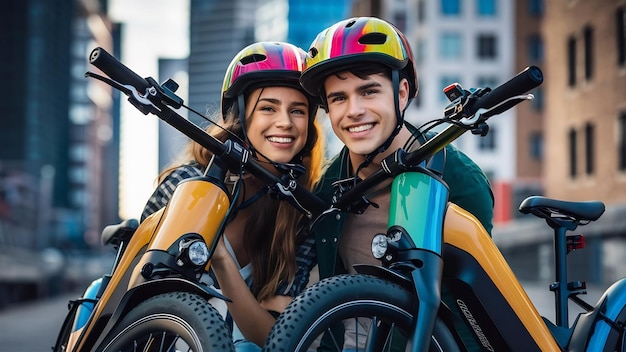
point(241, 106)
point(395, 81)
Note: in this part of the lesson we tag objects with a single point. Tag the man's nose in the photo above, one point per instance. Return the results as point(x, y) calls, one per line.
point(355, 107)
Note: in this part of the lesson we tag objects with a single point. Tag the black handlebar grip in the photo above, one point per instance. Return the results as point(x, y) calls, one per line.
point(524, 81)
point(116, 70)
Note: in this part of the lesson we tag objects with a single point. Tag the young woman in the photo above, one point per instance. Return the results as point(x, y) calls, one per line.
point(265, 106)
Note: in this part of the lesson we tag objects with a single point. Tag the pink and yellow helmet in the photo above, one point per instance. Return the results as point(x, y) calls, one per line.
point(262, 64)
point(355, 41)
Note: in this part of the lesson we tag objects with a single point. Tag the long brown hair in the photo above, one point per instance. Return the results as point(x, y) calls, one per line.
point(273, 258)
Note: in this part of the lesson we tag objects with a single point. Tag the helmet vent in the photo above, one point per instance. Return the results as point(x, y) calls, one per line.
point(373, 38)
point(313, 52)
point(350, 24)
point(253, 58)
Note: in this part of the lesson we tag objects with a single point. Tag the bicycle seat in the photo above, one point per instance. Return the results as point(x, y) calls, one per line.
point(549, 208)
point(115, 234)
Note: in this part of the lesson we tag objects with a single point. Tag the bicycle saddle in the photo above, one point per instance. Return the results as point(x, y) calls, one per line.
point(117, 233)
point(549, 208)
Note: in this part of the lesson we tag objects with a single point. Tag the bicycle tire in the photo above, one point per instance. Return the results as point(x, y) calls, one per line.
point(342, 299)
point(168, 322)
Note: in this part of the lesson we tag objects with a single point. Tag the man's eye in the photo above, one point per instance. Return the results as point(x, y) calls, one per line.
point(370, 92)
point(336, 99)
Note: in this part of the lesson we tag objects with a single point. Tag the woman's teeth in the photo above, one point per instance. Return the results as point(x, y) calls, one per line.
point(280, 139)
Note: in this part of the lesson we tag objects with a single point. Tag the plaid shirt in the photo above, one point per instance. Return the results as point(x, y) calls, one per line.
point(305, 261)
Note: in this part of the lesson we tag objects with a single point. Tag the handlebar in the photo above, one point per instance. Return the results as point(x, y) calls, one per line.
point(529, 78)
point(153, 99)
point(398, 161)
point(116, 70)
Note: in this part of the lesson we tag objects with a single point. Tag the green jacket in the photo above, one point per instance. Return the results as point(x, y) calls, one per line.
point(469, 189)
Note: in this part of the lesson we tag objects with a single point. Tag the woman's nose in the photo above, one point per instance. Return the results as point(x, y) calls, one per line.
point(283, 120)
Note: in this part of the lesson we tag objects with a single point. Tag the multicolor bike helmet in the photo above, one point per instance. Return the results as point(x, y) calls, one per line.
point(357, 40)
point(265, 64)
point(354, 42)
point(262, 64)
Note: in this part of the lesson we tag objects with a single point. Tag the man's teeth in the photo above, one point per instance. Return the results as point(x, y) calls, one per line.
point(361, 128)
point(280, 139)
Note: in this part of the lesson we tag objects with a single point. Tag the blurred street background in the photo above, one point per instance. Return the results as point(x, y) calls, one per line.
point(75, 156)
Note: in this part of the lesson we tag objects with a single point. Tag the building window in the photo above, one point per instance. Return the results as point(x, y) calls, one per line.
point(451, 46)
point(621, 143)
point(420, 51)
point(571, 61)
point(589, 148)
point(535, 145)
point(488, 142)
point(535, 48)
point(487, 46)
point(588, 42)
point(79, 152)
point(451, 7)
point(535, 7)
point(417, 101)
point(491, 175)
point(421, 11)
point(399, 20)
point(487, 81)
point(620, 19)
point(486, 7)
point(572, 153)
point(537, 102)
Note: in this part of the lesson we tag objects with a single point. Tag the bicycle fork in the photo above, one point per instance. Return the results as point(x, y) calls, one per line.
point(417, 236)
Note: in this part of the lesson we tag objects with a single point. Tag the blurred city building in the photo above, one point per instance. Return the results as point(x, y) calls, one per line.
point(574, 132)
point(529, 122)
point(59, 132)
point(585, 105)
point(172, 142)
point(58, 149)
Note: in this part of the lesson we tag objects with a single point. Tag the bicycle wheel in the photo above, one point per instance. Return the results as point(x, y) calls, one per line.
point(351, 313)
point(175, 321)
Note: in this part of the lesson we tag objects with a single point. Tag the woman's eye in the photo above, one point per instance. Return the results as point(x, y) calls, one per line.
point(266, 108)
point(298, 111)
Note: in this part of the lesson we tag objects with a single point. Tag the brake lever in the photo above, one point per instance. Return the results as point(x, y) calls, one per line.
point(141, 102)
point(285, 192)
point(483, 114)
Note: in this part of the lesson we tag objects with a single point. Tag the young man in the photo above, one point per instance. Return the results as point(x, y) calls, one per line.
point(363, 70)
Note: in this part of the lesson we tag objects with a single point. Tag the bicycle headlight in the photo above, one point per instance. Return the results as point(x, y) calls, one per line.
point(195, 252)
point(379, 246)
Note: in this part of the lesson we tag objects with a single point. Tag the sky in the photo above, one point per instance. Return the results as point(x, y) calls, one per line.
point(152, 29)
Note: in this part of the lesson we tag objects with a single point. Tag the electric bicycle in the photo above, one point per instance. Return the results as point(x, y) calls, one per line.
point(156, 297)
point(442, 284)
